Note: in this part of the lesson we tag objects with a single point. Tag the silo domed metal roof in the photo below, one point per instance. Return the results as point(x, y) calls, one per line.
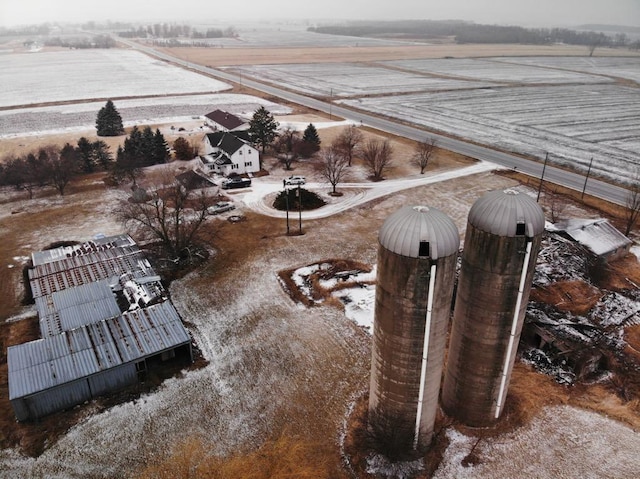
point(500, 212)
point(409, 227)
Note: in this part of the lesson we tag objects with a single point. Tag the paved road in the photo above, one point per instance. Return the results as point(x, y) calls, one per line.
point(600, 189)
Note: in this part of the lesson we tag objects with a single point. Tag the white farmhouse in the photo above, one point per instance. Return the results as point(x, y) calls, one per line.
point(226, 153)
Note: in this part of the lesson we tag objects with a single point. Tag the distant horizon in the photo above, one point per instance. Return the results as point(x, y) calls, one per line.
point(524, 13)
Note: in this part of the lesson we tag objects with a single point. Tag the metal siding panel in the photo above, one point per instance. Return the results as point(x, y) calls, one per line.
point(57, 399)
point(113, 379)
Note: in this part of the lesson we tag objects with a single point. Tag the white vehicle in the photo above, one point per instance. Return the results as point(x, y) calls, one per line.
point(295, 180)
point(220, 207)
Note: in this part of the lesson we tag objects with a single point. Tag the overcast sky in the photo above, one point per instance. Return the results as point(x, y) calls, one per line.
point(520, 12)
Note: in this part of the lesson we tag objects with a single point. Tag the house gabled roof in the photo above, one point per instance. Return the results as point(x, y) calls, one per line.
point(227, 142)
point(225, 119)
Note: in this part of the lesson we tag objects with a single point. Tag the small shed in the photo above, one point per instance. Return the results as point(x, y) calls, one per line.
point(599, 236)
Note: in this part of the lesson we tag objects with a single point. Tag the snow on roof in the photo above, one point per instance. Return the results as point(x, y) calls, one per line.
point(598, 235)
point(500, 212)
point(409, 227)
point(97, 244)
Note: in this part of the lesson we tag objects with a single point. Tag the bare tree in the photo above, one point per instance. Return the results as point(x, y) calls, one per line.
point(377, 156)
point(60, 167)
point(348, 142)
point(173, 217)
point(333, 166)
point(632, 211)
point(287, 147)
point(423, 153)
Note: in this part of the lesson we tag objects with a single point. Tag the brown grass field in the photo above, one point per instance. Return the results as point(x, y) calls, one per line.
point(217, 57)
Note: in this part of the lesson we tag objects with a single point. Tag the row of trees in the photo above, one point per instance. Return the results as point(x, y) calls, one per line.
point(168, 30)
point(468, 32)
point(51, 166)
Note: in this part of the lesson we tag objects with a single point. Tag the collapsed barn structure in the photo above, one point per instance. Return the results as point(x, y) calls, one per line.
point(104, 316)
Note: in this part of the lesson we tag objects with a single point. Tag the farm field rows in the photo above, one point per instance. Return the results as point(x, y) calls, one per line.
point(488, 70)
point(82, 116)
point(352, 79)
point(621, 67)
point(527, 109)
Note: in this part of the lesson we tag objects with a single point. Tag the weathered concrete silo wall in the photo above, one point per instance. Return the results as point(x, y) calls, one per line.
point(416, 268)
point(501, 246)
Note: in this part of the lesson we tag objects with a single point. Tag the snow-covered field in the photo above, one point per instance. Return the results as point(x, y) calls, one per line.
point(351, 79)
point(529, 106)
point(82, 116)
point(480, 69)
point(573, 123)
point(619, 67)
point(29, 78)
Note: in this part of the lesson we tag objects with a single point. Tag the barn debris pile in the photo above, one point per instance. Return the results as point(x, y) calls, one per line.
point(569, 334)
point(104, 318)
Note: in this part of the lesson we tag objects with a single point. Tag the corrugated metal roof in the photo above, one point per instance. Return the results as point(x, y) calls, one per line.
point(405, 229)
point(98, 244)
point(74, 307)
point(69, 356)
point(600, 236)
point(499, 213)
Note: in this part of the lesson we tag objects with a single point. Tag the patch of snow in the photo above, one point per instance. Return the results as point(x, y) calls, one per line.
point(359, 304)
point(380, 466)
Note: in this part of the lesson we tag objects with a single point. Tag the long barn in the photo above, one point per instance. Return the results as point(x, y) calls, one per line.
point(104, 317)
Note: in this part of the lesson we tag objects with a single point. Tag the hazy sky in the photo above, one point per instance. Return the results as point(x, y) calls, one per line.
point(521, 12)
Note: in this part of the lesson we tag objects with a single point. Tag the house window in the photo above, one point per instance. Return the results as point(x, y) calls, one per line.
point(241, 152)
point(249, 151)
point(248, 163)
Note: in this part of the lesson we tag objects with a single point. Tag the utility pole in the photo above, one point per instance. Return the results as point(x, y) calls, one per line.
point(330, 104)
point(286, 200)
point(299, 211)
point(544, 167)
point(584, 188)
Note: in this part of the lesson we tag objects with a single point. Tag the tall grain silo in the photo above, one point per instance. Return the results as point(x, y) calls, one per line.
point(503, 237)
point(417, 255)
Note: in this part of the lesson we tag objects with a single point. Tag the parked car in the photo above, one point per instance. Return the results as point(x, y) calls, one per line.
point(236, 182)
point(295, 180)
point(220, 207)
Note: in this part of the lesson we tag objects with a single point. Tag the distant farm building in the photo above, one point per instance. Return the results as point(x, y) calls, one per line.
point(104, 319)
point(599, 236)
point(224, 121)
point(227, 153)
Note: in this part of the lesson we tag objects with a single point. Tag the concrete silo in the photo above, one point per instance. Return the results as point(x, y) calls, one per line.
point(416, 268)
point(503, 237)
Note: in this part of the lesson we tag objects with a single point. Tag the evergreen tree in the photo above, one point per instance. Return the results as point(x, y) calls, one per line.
point(101, 153)
point(147, 146)
point(160, 150)
point(310, 140)
point(262, 129)
point(109, 121)
point(183, 150)
point(86, 154)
